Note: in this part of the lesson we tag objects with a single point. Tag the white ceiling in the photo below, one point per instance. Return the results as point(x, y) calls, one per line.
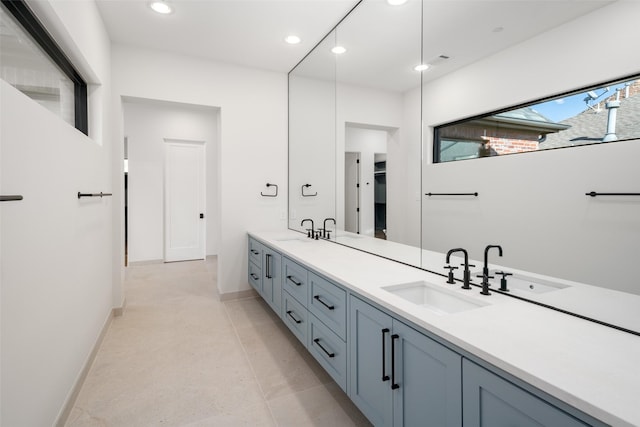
point(386, 39)
point(243, 32)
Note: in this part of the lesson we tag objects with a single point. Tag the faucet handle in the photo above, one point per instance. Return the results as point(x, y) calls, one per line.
point(470, 265)
point(451, 279)
point(503, 281)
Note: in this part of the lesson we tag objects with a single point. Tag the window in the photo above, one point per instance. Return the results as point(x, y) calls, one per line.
point(604, 113)
point(32, 62)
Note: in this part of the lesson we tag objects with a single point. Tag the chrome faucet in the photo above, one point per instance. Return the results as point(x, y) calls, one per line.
point(485, 270)
point(467, 274)
point(310, 232)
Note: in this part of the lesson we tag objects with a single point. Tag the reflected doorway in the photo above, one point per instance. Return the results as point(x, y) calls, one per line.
point(352, 192)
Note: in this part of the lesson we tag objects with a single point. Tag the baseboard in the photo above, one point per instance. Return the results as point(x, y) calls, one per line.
point(73, 395)
point(119, 311)
point(229, 296)
point(147, 262)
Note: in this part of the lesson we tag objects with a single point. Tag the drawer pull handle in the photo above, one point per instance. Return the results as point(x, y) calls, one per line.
point(394, 386)
point(253, 251)
point(317, 297)
point(254, 276)
point(317, 341)
point(290, 278)
point(294, 319)
point(385, 377)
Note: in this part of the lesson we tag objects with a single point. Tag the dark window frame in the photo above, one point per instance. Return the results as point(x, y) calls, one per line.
point(32, 25)
point(436, 129)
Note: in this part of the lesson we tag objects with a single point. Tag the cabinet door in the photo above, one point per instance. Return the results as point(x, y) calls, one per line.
point(428, 376)
point(272, 279)
point(370, 381)
point(491, 401)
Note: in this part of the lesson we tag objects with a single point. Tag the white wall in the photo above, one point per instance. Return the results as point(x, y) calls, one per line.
point(56, 267)
point(312, 124)
point(367, 142)
point(534, 204)
point(146, 125)
point(394, 112)
point(252, 140)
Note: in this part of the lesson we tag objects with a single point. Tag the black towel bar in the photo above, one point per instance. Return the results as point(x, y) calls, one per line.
point(594, 194)
point(10, 198)
point(101, 194)
point(451, 194)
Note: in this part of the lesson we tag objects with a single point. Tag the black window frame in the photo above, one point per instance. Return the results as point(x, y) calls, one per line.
point(32, 25)
point(436, 129)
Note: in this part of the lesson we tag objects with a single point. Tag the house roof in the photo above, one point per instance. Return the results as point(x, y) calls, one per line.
point(589, 127)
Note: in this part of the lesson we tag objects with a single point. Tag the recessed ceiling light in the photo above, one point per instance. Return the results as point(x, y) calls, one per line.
point(338, 50)
point(292, 39)
point(421, 67)
point(396, 2)
point(161, 7)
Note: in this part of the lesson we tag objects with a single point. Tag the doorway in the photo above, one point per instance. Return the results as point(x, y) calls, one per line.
point(184, 200)
point(352, 192)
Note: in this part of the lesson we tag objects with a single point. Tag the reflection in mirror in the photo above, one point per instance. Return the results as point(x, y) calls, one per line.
point(535, 204)
point(605, 113)
point(312, 173)
point(378, 123)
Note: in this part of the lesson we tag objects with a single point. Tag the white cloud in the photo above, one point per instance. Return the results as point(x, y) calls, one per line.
point(560, 101)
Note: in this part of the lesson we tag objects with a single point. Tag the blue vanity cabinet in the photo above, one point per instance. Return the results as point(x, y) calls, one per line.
point(492, 401)
point(400, 377)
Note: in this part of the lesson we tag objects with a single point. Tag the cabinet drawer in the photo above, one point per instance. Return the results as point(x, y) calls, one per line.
point(255, 277)
point(329, 350)
point(295, 316)
point(328, 302)
point(255, 252)
point(295, 280)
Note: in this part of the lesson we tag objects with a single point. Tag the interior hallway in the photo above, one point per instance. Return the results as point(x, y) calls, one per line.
point(180, 357)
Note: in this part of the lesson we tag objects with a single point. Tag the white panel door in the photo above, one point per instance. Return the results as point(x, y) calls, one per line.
point(184, 232)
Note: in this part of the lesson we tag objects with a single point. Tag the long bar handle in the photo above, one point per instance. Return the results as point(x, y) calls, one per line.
point(294, 319)
point(268, 262)
point(385, 377)
point(290, 278)
point(317, 298)
point(317, 341)
point(394, 386)
point(10, 198)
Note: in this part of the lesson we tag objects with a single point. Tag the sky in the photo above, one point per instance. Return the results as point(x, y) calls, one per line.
point(560, 109)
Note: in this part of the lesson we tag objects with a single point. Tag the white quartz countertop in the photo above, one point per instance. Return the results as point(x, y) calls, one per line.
point(591, 367)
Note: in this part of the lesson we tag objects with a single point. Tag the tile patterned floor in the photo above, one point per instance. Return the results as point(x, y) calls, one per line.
point(180, 357)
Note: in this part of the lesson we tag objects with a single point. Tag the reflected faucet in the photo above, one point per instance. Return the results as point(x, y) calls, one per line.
point(467, 274)
point(310, 232)
point(485, 270)
point(325, 232)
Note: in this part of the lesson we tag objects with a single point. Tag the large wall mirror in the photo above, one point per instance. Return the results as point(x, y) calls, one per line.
point(498, 55)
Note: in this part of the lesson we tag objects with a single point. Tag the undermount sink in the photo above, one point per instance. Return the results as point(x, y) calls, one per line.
point(519, 282)
point(433, 297)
